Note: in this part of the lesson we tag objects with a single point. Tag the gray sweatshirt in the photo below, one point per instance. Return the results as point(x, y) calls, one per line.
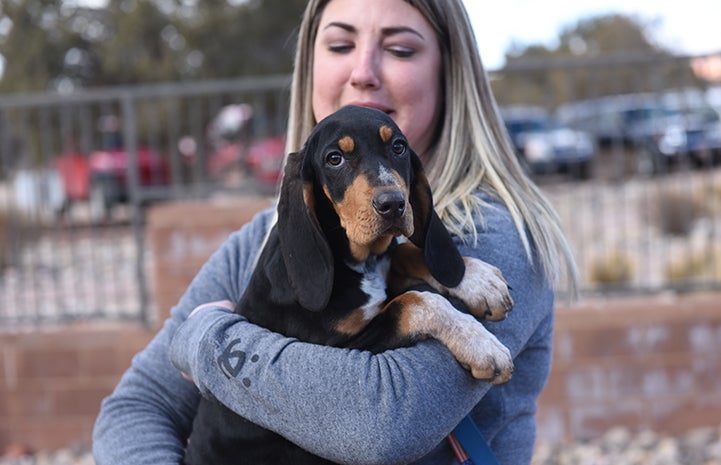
point(349, 406)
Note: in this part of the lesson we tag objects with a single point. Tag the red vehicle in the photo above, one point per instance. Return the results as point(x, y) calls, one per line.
point(232, 148)
point(102, 177)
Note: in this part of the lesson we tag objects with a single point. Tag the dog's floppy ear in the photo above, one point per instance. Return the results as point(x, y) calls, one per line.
point(306, 253)
point(429, 233)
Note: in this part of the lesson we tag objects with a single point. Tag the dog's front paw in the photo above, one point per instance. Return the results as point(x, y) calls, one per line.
point(484, 290)
point(481, 353)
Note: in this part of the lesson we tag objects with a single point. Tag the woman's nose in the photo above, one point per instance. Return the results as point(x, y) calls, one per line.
point(365, 73)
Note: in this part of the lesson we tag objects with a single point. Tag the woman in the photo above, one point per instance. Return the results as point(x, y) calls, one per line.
point(418, 61)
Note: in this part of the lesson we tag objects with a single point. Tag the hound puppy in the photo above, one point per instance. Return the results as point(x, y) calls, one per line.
point(332, 272)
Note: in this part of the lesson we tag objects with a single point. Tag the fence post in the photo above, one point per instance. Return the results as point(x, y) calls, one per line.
point(130, 143)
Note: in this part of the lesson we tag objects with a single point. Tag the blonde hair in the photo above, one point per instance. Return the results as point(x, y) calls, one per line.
point(471, 151)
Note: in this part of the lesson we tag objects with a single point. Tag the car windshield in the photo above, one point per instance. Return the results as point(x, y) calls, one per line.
point(526, 125)
point(638, 115)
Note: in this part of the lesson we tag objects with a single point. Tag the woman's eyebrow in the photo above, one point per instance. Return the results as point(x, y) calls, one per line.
point(386, 31)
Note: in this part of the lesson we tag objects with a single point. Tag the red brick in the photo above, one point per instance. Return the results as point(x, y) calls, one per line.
point(708, 372)
point(100, 362)
point(555, 389)
point(78, 400)
point(48, 433)
point(592, 419)
point(32, 401)
point(677, 416)
point(596, 342)
point(48, 363)
point(183, 235)
point(4, 409)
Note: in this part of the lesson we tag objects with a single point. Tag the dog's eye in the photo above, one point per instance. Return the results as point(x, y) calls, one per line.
point(399, 147)
point(334, 159)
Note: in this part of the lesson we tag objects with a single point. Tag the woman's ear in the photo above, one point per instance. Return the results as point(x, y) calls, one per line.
point(306, 254)
point(429, 233)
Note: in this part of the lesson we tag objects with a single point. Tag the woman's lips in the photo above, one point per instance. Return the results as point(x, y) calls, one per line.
point(377, 106)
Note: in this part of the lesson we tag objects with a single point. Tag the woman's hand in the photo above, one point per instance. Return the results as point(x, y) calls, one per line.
point(219, 303)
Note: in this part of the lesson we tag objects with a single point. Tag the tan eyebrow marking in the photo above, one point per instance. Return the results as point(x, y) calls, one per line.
point(346, 144)
point(385, 133)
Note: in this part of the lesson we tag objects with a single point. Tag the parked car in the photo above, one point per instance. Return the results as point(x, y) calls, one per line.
point(544, 145)
point(612, 120)
point(679, 136)
point(661, 131)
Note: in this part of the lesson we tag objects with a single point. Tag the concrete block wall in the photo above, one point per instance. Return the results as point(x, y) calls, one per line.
point(642, 362)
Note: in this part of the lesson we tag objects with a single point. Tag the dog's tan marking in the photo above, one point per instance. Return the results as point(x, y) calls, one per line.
point(385, 133)
point(309, 198)
point(346, 144)
point(426, 314)
point(353, 323)
point(381, 245)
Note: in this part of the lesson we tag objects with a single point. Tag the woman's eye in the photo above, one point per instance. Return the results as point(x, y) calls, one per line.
point(401, 52)
point(340, 48)
point(334, 159)
point(399, 147)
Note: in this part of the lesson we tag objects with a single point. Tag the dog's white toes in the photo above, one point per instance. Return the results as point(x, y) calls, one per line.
point(496, 368)
point(484, 291)
point(480, 352)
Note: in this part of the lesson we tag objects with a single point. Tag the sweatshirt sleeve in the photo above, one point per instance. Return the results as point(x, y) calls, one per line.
point(352, 406)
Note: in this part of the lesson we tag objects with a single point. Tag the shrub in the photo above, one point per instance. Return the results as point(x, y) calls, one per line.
point(677, 209)
point(701, 263)
point(616, 268)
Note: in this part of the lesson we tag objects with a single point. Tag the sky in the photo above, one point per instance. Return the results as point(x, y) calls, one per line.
point(687, 26)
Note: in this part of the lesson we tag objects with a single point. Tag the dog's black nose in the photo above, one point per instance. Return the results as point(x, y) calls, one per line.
point(389, 204)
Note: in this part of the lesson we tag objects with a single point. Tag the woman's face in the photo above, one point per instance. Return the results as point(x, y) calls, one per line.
point(381, 54)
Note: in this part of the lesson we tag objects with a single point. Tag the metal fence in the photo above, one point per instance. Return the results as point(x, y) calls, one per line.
point(78, 170)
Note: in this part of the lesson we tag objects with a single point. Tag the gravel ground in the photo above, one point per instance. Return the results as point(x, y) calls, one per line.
point(619, 446)
point(60, 457)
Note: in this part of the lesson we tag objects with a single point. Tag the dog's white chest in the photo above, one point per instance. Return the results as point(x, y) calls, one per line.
point(373, 284)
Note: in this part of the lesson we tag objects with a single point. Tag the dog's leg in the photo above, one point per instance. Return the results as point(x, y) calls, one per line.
point(427, 314)
point(483, 288)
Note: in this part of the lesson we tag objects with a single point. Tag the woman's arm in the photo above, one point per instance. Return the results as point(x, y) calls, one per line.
point(346, 405)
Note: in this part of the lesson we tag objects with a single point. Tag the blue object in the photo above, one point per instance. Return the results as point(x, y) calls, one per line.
point(474, 444)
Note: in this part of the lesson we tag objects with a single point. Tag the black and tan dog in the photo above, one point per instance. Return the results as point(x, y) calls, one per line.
point(332, 272)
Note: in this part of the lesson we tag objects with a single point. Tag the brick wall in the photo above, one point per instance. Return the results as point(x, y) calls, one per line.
point(645, 362)
point(52, 381)
point(183, 235)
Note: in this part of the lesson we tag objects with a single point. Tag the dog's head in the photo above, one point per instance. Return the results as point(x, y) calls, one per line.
point(356, 178)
